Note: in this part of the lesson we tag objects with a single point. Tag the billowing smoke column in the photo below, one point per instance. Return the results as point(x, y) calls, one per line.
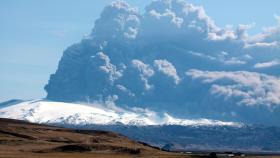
point(173, 58)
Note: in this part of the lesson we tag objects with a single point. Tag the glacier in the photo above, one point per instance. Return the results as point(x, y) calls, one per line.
point(147, 126)
point(49, 112)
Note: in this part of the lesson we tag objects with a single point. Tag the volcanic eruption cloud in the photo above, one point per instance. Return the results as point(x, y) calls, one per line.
point(173, 57)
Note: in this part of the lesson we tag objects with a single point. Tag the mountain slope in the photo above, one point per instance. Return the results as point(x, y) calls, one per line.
point(20, 139)
point(39, 111)
point(148, 126)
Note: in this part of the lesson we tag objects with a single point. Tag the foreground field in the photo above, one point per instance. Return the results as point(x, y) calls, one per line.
point(20, 139)
point(86, 155)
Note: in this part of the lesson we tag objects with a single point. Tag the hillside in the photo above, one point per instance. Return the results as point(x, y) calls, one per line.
point(147, 126)
point(22, 139)
point(19, 139)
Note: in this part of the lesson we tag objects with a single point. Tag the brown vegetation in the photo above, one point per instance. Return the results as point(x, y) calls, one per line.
point(19, 139)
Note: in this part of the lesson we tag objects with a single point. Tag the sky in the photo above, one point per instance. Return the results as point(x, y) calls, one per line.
point(33, 34)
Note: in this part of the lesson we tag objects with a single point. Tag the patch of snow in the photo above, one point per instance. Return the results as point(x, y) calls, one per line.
point(48, 112)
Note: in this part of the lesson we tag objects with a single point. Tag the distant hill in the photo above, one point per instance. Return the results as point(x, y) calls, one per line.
point(10, 102)
point(19, 139)
point(149, 126)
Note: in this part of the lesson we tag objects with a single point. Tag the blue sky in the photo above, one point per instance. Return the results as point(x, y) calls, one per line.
point(35, 33)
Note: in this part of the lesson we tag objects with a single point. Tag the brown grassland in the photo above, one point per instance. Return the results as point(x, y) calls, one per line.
point(20, 139)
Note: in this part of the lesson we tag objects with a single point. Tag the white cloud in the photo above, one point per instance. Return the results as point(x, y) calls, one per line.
point(234, 61)
point(209, 57)
point(168, 69)
point(177, 17)
point(125, 90)
point(222, 58)
point(108, 68)
point(145, 72)
point(268, 38)
point(145, 69)
point(131, 33)
point(263, 44)
point(242, 31)
point(249, 88)
point(225, 34)
point(169, 15)
point(118, 21)
point(267, 64)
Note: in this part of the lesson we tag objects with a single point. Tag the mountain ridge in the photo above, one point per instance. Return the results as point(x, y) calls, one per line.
point(21, 139)
point(147, 126)
point(43, 111)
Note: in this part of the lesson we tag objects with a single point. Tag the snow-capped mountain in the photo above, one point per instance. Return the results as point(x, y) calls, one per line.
point(146, 125)
point(41, 111)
